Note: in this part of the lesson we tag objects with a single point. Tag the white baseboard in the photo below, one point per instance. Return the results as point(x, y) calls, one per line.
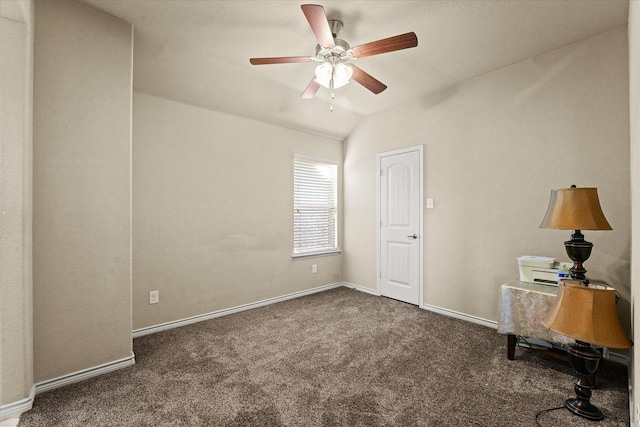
point(611, 355)
point(361, 288)
point(14, 409)
point(461, 316)
point(85, 374)
point(212, 315)
point(440, 310)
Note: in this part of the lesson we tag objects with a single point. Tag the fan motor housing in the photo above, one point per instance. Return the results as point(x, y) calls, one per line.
point(340, 51)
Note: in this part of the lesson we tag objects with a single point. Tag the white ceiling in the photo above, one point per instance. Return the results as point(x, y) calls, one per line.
point(197, 52)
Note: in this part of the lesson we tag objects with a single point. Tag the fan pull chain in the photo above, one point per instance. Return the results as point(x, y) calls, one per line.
point(333, 95)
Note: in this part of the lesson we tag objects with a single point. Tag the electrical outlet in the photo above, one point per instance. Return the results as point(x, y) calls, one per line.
point(314, 268)
point(637, 413)
point(154, 297)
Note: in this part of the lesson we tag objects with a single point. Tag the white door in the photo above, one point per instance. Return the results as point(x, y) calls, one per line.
point(400, 212)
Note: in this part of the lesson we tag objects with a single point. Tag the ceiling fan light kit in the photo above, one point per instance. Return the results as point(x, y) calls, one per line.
point(334, 55)
point(338, 74)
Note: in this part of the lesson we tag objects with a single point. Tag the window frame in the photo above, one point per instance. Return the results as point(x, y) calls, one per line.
point(317, 251)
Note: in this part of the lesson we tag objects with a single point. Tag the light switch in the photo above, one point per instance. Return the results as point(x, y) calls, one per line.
point(429, 203)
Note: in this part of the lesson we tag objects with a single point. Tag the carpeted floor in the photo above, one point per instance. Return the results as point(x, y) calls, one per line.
point(336, 358)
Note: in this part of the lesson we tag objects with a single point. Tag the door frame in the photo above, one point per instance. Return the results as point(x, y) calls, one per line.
point(379, 156)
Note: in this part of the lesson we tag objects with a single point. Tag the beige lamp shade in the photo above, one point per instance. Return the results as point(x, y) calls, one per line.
point(575, 209)
point(588, 314)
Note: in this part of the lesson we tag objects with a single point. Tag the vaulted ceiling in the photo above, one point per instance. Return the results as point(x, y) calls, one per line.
point(197, 52)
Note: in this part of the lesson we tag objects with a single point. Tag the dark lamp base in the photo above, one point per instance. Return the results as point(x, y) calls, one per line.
point(584, 408)
point(585, 360)
point(578, 251)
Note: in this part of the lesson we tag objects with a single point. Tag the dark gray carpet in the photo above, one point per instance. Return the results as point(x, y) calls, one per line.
point(337, 358)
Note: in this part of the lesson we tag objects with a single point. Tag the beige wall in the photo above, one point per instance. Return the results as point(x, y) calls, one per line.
point(634, 114)
point(212, 211)
point(82, 181)
point(494, 148)
point(16, 299)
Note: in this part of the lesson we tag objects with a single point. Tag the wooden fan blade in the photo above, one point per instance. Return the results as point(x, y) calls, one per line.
point(311, 90)
point(319, 24)
point(280, 60)
point(367, 80)
point(403, 41)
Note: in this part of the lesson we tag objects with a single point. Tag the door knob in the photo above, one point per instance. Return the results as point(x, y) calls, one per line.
point(415, 236)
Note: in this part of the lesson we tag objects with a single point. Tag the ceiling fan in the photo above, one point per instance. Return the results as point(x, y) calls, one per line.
point(334, 55)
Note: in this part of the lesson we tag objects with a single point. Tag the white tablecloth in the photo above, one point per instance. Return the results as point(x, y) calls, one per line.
point(522, 307)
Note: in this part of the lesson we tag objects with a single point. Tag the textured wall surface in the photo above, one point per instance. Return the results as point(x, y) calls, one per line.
point(213, 211)
point(494, 148)
point(82, 189)
point(16, 74)
point(634, 114)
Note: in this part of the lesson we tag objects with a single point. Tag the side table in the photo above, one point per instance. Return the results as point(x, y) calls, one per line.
point(522, 307)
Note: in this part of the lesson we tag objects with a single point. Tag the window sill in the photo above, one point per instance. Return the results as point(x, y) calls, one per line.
point(316, 254)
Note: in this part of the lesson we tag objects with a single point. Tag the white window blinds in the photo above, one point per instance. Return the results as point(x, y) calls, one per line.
point(314, 206)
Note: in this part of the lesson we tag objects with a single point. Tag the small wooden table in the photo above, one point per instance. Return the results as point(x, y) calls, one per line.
point(522, 307)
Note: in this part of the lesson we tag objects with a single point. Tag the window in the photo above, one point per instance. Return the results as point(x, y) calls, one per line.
point(315, 188)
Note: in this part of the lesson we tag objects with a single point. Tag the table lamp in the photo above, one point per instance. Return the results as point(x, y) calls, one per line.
point(576, 209)
point(588, 314)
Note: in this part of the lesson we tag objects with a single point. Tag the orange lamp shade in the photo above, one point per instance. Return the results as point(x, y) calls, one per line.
point(575, 209)
point(587, 314)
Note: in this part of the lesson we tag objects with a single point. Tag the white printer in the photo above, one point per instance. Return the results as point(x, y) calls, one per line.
point(543, 270)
